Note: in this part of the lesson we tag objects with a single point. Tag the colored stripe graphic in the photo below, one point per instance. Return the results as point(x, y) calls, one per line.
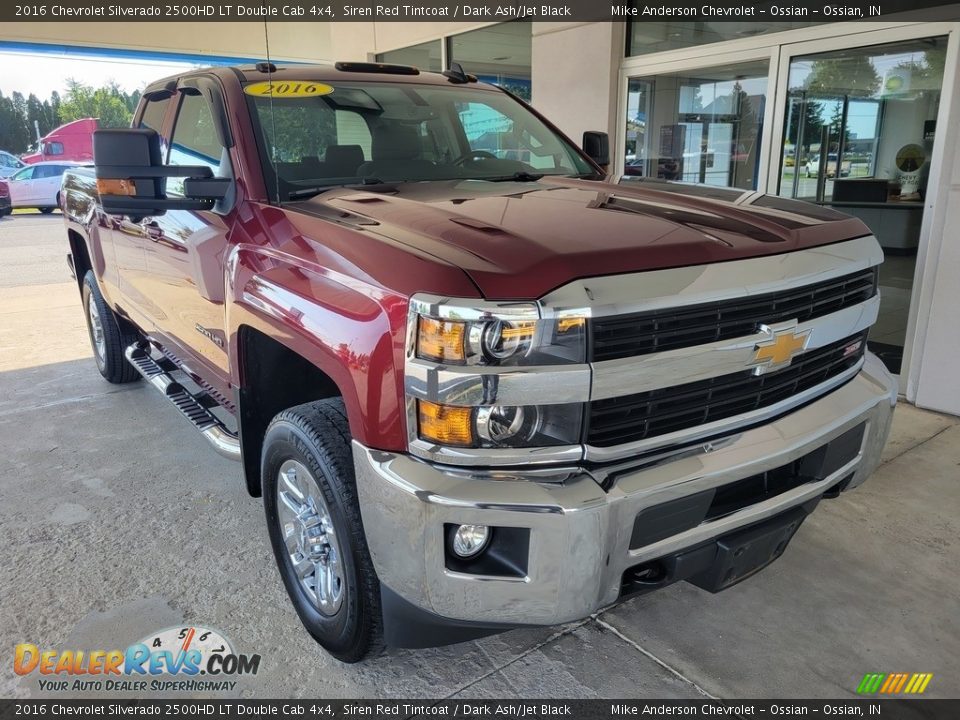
point(890, 682)
point(894, 683)
point(870, 683)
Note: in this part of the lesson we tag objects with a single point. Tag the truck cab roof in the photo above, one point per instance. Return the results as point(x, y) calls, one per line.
point(352, 71)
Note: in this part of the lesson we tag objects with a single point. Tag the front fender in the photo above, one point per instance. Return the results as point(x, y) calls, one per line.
point(350, 330)
point(79, 200)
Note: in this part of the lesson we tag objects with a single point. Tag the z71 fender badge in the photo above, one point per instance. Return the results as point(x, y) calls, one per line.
point(210, 334)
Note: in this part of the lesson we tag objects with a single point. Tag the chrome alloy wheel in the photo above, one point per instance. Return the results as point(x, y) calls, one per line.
point(309, 537)
point(96, 331)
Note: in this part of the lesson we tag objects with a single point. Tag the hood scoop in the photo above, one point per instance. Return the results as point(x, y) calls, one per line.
point(362, 199)
point(478, 225)
point(712, 225)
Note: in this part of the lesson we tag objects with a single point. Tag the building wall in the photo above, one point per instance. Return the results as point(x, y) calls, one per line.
point(933, 380)
point(304, 42)
point(577, 89)
point(360, 41)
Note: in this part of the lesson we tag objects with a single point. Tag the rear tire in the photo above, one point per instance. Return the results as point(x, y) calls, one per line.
point(46, 210)
point(313, 518)
point(109, 336)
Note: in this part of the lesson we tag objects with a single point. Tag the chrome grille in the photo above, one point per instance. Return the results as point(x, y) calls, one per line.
point(622, 336)
point(630, 418)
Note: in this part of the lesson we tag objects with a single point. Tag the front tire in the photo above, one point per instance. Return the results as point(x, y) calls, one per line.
point(46, 210)
point(109, 337)
point(313, 518)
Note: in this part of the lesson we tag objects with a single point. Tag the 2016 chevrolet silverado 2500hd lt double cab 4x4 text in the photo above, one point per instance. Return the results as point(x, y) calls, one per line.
point(477, 384)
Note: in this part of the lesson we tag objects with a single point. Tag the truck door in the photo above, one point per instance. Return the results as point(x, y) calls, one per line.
point(129, 238)
point(185, 251)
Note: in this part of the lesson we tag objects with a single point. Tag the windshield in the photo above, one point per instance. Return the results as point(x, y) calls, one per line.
point(363, 132)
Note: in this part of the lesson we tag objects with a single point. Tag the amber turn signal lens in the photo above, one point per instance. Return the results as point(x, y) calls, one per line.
point(446, 424)
point(441, 340)
point(568, 324)
point(116, 187)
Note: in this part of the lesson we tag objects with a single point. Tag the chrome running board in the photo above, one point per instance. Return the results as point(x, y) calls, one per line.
point(224, 442)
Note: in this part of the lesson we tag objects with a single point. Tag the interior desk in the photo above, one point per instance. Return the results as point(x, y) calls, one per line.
point(895, 224)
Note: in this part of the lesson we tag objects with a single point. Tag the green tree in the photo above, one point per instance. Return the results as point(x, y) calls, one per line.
point(107, 103)
point(39, 117)
point(812, 122)
point(54, 109)
point(847, 76)
point(14, 136)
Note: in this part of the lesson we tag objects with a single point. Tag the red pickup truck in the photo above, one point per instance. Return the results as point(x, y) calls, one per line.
point(477, 383)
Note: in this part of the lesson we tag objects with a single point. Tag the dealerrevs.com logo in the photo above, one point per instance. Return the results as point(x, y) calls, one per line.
point(168, 661)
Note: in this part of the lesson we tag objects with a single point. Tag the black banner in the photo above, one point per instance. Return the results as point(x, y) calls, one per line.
point(488, 11)
point(506, 709)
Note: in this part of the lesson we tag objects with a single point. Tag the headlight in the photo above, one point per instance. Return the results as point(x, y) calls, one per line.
point(499, 426)
point(501, 341)
point(484, 375)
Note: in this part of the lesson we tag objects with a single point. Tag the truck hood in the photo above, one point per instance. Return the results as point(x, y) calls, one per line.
point(521, 240)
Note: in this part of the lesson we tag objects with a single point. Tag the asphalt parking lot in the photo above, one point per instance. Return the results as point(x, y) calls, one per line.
point(119, 520)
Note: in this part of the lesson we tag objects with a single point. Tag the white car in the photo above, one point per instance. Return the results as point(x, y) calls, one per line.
point(38, 185)
point(813, 166)
point(9, 164)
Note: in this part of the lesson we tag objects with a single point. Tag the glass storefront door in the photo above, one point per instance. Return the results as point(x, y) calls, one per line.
point(704, 126)
point(858, 134)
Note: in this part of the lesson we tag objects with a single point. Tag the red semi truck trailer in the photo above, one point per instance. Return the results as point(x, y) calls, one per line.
point(72, 141)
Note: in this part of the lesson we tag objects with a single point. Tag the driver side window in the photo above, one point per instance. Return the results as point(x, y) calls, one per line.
point(194, 141)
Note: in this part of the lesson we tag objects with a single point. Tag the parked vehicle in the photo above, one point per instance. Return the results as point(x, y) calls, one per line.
point(812, 166)
point(71, 142)
point(474, 392)
point(5, 207)
point(9, 164)
point(38, 185)
point(635, 167)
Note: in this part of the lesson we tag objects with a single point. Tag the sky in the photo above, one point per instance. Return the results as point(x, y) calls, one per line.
point(42, 74)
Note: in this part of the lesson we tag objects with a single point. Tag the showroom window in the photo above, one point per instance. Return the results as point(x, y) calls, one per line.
point(703, 126)
point(858, 136)
point(652, 36)
point(499, 54)
point(426, 56)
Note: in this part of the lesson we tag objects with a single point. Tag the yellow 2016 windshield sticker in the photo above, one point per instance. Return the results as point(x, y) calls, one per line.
point(288, 89)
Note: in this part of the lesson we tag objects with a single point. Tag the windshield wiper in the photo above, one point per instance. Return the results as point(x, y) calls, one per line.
point(314, 191)
point(309, 192)
point(522, 176)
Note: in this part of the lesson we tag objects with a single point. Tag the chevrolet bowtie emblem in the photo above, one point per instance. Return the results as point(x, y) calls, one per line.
point(779, 350)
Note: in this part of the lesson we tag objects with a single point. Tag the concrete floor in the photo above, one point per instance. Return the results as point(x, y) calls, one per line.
point(120, 521)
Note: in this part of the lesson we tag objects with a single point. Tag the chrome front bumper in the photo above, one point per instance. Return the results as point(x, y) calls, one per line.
point(579, 532)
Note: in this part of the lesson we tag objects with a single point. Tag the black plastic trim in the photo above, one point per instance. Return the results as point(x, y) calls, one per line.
point(407, 626)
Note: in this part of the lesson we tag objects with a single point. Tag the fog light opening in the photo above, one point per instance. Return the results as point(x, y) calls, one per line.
point(649, 573)
point(468, 541)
